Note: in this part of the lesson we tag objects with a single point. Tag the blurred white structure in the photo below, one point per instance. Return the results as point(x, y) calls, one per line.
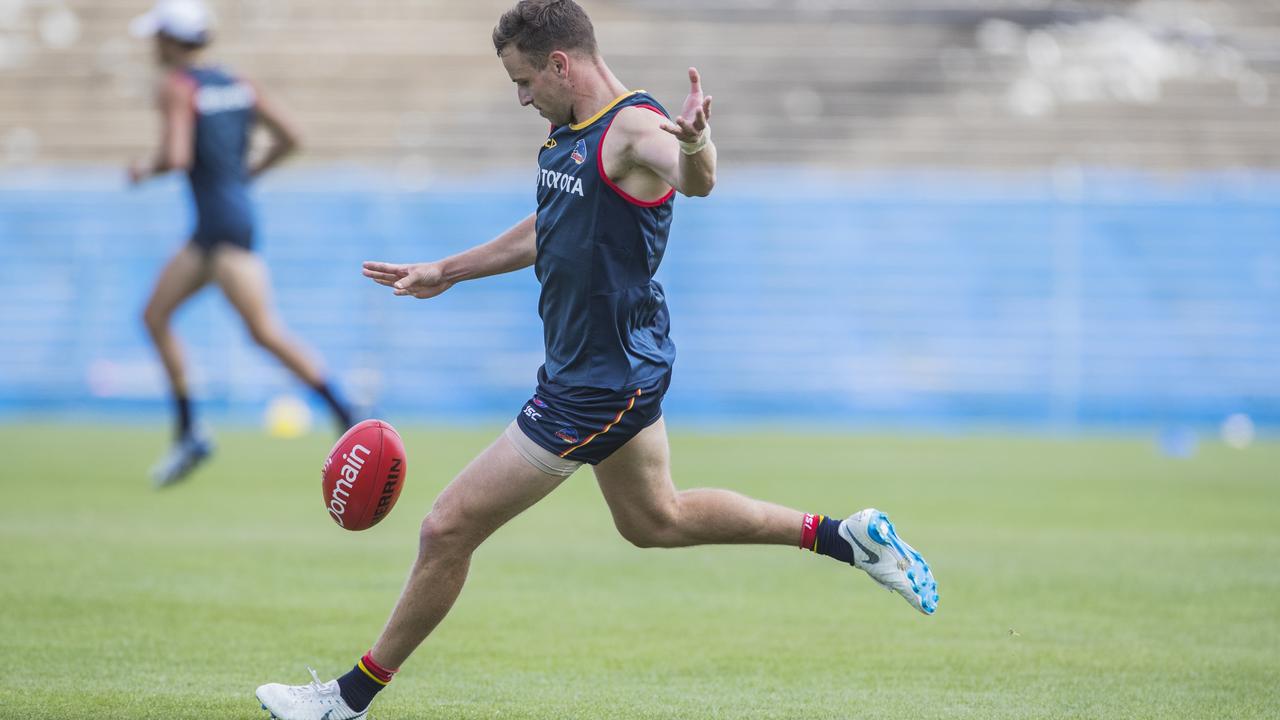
point(414, 84)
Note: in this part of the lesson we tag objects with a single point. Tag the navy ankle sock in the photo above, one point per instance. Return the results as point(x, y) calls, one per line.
point(821, 534)
point(341, 413)
point(183, 406)
point(365, 680)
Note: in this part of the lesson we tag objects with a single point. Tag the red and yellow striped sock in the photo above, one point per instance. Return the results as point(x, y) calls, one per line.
point(821, 534)
point(365, 681)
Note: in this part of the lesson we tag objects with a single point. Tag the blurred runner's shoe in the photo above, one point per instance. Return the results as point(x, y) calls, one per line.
point(181, 459)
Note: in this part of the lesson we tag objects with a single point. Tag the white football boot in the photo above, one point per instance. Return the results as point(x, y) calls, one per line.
point(181, 459)
point(889, 560)
point(313, 701)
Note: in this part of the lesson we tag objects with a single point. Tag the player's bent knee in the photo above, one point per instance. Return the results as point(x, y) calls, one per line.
point(154, 320)
point(443, 533)
point(266, 335)
point(639, 538)
point(156, 324)
point(261, 335)
point(655, 531)
point(436, 531)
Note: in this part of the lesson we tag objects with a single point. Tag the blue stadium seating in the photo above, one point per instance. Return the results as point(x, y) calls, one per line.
point(896, 299)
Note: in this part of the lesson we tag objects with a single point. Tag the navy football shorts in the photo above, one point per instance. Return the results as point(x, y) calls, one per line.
point(207, 241)
point(588, 424)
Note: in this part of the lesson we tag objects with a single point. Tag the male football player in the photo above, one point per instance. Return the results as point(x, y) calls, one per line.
point(608, 174)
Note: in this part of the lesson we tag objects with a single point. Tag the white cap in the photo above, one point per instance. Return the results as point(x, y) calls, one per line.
point(187, 21)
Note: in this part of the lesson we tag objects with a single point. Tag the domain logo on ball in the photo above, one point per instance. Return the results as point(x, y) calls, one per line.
point(363, 475)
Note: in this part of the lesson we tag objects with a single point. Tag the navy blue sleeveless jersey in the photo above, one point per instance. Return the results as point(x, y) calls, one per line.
point(224, 117)
point(604, 317)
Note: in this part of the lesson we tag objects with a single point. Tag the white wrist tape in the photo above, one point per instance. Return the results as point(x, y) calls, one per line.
point(692, 148)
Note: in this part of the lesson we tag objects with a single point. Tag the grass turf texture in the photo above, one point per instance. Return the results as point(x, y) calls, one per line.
point(1079, 579)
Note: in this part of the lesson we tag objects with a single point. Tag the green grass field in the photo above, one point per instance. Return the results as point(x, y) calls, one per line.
point(1079, 579)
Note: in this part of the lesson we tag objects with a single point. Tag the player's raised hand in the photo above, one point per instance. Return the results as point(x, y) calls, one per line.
point(420, 280)
point(694, 116)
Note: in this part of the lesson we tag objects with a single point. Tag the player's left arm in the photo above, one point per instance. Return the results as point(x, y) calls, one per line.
point(286, 138)
point(679, 150)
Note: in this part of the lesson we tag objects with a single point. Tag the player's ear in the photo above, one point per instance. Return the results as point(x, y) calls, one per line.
point(559, 63)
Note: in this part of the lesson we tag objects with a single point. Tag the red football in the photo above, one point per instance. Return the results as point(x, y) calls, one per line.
point(363, 475)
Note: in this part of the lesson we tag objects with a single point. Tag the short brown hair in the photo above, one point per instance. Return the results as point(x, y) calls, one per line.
point(539, 27)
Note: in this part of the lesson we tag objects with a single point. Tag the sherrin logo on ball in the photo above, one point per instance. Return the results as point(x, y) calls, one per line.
point(363, 475)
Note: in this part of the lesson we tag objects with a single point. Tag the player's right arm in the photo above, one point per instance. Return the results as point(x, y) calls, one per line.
point(286, 138)
point(177, 140)
point(514, 249)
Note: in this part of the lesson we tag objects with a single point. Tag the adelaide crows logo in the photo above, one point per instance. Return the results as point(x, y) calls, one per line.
point(579, 153)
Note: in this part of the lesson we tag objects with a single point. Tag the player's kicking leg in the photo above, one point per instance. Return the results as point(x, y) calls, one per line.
point(498, 485)
point(243, 279)
point(184, 275)
point(650, 512)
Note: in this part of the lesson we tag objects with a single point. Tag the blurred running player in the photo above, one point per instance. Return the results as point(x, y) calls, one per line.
point(608, 173)
point(207, 115)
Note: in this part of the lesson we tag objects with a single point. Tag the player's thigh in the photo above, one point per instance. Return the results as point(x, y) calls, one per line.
point(243, 278)
point(185, 273)
point(496, 486)
point(636, 479)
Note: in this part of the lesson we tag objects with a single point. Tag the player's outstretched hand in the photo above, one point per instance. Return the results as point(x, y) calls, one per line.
point(420, 280)
point(694, 116)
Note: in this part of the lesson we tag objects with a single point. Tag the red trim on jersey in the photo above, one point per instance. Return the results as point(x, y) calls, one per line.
point(604, 176)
